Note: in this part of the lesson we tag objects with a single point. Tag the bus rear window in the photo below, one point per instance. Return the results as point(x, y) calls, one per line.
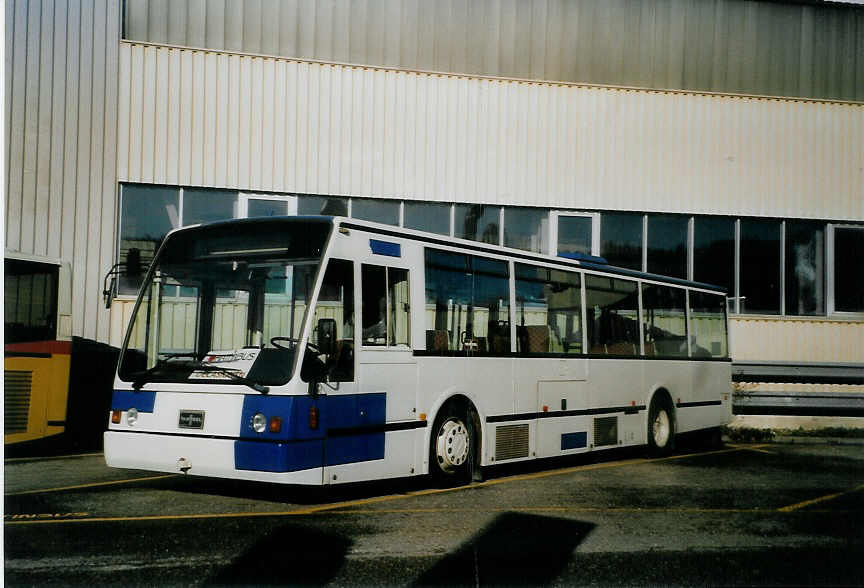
point(30, 301)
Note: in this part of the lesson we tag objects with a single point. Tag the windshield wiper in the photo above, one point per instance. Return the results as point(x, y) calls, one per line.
point(207, 367)
point(143, 377)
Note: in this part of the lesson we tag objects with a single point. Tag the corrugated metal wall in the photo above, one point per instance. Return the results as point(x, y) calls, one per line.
point(223, 120)
point(727, 46)
point(61, 126)
point(804, 340)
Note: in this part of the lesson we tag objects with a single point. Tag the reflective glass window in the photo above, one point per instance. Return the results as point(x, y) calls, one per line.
point(760, 266)
point(612, 316)
point(548, 310)
point(805, 268)
point(206, 206)
point(29, 301)
point(664, 314)
point(574, 234)
point(708, 337)
point(259, 207)
point(667, 245)
point(714, 251)
point(621, 239)
point(427, 216)
point(526, 228)
point(849, 269)
point(379, 211)
point(147, 214)
point(477, 222)
point(325, 205)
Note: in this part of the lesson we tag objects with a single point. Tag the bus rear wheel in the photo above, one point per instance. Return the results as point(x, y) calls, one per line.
point(661, 427)
point(451, 451)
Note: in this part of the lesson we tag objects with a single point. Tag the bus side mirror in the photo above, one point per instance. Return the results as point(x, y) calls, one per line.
point(133, 262)
point(326, 335)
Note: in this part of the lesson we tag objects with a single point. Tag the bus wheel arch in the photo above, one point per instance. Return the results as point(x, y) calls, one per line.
point(455, 442)
point(661, 423)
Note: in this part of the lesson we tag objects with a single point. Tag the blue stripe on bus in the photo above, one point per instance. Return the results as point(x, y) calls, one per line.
point(574, 440)
point(126, 399)
point(385, 248)
point(289, 449)
point(278, 457)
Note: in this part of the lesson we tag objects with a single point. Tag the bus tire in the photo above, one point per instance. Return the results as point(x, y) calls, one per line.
point(452, 446)
point(661, 426)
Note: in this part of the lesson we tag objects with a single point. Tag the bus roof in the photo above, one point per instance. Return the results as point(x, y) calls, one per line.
point(589, 262)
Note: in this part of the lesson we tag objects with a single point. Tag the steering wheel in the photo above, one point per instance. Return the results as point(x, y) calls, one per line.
point(274, 342)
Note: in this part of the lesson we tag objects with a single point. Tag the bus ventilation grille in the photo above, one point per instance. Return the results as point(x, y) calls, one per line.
point(511, 442)
point(605, 431)
point(16, 395)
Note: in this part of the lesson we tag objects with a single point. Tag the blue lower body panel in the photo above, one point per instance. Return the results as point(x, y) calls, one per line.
point(355, 448)
point(290, 456)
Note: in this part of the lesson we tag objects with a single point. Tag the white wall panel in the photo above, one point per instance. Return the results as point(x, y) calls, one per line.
point(258, 123)
point(802, 340)
point(62, 129)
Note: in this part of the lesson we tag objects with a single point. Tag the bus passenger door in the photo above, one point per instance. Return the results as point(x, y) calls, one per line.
point(386, 382)
point(386, 361)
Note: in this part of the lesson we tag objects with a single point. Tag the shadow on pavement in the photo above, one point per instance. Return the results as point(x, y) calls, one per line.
point(291, 555)
point(515, 549)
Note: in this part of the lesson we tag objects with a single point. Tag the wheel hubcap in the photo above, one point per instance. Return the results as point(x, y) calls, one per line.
point(661, 428)
point(453, 444)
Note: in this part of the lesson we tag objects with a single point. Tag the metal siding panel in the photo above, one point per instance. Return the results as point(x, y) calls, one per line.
point(209, 120)
point(83, 163)
point(266, 106)
point(369, 132)
point(160, 120)
point(157, 21)
point(252, 17)
point(233, 27)
point(56, 191)
point(29, 188)
point(222, 117)
point(148, 116)
point(214, 24)
point(173, 130)
point(177, 29)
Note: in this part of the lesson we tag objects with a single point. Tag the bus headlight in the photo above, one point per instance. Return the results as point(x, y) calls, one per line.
point(259, 423)
point(131, 416)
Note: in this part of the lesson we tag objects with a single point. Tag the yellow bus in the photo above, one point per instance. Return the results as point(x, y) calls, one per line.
point(37, 347)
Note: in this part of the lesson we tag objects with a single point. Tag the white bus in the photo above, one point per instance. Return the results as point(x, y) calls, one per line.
point(324, 350)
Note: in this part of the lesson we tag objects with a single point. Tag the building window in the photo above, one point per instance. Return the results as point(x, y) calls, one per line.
point(477, 222)
point(665, 318)
point(612, 316)
point(526, 228)
point(805, 268)
point(548, 311)
point(147, 214)
point(379, 211)
point(207, 206)
point(714, 252)
point(667, 245)
point(848, 269)
point(427, 216)
point(760, 266)
point(621, 239)
point(575, 233)
point(326, 205)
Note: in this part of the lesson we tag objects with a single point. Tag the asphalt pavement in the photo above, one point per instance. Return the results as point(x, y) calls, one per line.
point(755, 514)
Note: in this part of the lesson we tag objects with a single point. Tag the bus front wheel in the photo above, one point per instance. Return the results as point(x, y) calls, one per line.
point(451, 452)
point(661, 427)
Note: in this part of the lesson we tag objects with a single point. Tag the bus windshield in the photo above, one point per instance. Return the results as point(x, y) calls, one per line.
point(225, 304)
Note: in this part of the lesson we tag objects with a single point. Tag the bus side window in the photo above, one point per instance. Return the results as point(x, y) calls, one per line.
point(336, 301)
point(385, 306)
